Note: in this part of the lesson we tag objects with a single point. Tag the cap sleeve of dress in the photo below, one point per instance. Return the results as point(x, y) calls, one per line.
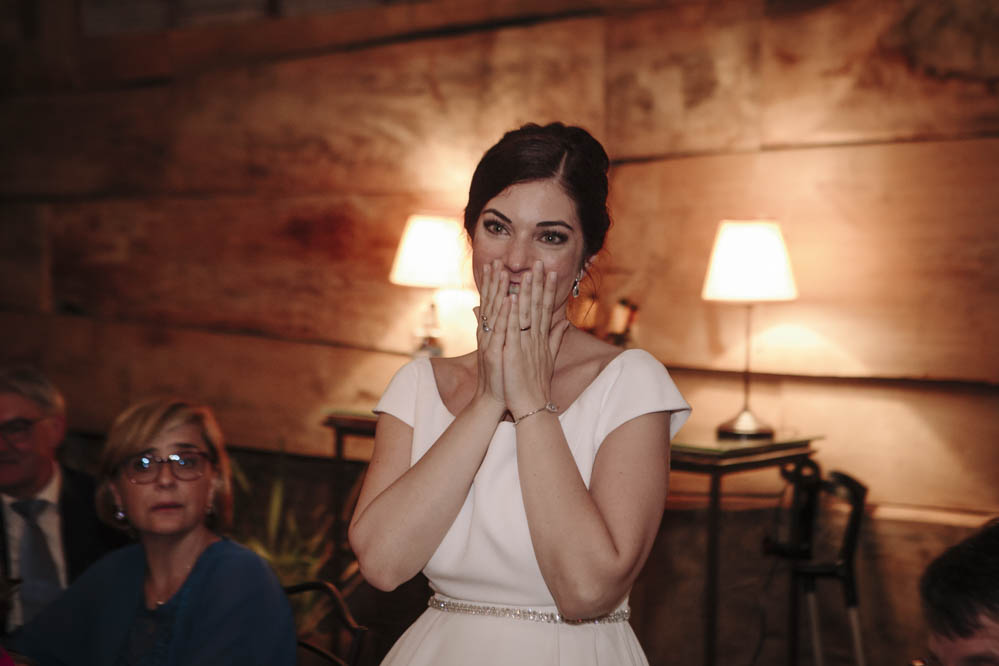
point(399, 399)
point(639, 384)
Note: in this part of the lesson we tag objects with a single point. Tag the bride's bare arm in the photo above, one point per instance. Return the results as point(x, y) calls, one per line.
point(591, 544)
point(404, 512)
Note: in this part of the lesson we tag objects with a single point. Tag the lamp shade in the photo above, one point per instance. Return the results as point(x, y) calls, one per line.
point(432, 253)
point(749, 263)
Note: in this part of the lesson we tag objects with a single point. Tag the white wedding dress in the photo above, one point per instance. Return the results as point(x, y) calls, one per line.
point(487, 559)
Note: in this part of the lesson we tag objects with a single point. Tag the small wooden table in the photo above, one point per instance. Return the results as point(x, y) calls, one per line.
point(716, 458)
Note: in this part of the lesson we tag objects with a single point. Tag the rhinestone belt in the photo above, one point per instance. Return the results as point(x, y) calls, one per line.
point(451, 606)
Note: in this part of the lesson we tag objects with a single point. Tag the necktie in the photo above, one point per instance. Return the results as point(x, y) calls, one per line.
point(39, 576)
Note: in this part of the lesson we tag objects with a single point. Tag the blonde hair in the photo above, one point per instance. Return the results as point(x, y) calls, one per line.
point(138, 425)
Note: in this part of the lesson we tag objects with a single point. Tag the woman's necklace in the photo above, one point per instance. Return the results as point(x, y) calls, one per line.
point(160, 600)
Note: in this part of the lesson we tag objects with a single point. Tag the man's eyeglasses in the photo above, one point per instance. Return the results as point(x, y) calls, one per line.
point(186, 466)
point(16, 432)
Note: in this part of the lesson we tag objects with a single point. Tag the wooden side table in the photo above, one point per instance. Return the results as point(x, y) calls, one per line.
point(716, 458)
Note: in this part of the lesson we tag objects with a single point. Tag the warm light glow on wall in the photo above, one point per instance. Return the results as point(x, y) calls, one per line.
point(433, 253)
point(457, 321)
point(749, 263)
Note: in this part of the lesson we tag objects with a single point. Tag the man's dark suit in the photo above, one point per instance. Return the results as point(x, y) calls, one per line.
point(84, 537)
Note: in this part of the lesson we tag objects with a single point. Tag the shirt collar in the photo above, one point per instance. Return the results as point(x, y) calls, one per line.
point(49, 492)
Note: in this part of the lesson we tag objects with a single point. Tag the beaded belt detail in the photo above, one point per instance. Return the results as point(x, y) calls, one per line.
point(451, 606)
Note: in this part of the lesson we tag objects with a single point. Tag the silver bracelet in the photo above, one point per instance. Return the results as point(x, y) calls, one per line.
point(550, 407)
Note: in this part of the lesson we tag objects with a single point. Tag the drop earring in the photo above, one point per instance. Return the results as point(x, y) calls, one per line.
point(119, 514)
point(575, 285)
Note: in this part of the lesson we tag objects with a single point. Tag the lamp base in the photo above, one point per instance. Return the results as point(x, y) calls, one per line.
point(745, 425)
point(429, 334)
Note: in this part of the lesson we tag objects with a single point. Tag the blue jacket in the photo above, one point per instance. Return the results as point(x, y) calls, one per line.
point(231, 610)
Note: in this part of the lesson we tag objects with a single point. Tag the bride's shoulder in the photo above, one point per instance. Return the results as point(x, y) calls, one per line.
point(598, 351)
point(589, 355)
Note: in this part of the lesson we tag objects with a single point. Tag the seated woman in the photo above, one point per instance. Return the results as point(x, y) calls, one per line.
point(183, 594)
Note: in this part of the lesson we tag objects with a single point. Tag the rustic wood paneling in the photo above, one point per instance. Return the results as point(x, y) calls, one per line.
point(122, 58)
point(855, 70)
point(923, 444)
point(267, 393)
point(685, 79)
point(85, 143)
point(692, 77)
point(24, 266)
point(12, 28)
point(412, 117)
point(895, 249)
point(728, 76)
point(312, 268)
point(544, 73)
point(399, 118)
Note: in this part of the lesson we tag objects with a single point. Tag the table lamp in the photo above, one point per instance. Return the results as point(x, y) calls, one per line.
point(432, 255)
point(749, 264)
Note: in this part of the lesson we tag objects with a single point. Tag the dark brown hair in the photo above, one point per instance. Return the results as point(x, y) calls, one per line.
point(962, 585)
point(569, 155)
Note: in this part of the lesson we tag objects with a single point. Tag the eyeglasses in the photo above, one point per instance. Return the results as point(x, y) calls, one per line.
point(186, 466)
point(16, 432)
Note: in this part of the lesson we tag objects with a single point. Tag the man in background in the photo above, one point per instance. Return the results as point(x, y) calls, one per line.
point(50, 530)
point(960, 596)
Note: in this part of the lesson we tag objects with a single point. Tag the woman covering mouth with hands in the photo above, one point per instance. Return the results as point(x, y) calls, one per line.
point(527, 479)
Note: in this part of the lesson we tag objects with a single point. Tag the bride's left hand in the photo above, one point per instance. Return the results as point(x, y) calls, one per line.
point(532, 343)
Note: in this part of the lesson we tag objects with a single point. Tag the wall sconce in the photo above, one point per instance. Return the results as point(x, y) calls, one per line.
point(749, 264)
point(432, 254)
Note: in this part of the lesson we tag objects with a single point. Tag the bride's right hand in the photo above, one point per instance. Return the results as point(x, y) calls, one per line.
point(493, 311)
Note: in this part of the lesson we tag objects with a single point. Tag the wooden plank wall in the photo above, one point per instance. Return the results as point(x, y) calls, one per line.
point(214, 210)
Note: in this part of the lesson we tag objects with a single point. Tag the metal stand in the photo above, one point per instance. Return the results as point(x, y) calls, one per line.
point(745, 424)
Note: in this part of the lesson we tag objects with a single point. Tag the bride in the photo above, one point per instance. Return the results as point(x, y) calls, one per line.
point(527, 479)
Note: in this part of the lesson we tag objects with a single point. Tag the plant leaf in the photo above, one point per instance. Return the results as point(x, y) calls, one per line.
point(274, 512)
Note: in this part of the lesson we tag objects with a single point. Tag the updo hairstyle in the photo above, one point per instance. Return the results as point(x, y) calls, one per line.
point(569, 155)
